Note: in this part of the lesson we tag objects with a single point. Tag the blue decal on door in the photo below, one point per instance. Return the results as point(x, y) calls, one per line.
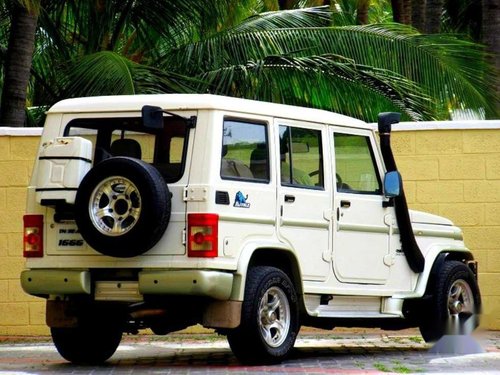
point(241, 200)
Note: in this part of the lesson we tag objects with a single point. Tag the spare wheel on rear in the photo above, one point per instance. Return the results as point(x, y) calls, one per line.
point(122, 207)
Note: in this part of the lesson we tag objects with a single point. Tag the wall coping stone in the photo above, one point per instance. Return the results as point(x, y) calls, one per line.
point(402, 126)
point(20, 132)
point(445, 125)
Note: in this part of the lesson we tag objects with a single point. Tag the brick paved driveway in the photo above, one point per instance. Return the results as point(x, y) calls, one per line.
point(330, 353)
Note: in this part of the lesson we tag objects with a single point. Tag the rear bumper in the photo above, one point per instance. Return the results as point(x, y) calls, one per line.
point(46, 282)
point(214, 284)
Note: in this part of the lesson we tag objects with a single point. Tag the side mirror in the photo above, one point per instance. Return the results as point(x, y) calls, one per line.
point(152, 117)
point(392, 184)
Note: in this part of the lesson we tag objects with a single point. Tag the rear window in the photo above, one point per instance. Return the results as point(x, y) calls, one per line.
point(164, 148)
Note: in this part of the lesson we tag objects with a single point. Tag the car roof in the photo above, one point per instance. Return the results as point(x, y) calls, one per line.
point(179, 102)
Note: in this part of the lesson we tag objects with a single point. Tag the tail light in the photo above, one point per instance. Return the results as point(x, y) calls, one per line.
point(33, 236)
point(203, 232)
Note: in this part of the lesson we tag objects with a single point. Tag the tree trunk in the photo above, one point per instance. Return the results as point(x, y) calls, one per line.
point(17, 67)
point(418, 14)
point(433, 12)
point(491, 38)
point(286, 4)
point(362, 12)
point(407, 11)
point(401, 11)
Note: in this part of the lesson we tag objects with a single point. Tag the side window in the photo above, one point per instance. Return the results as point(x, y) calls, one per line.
point(245, 151)
point(301, 157)
point(356, 169)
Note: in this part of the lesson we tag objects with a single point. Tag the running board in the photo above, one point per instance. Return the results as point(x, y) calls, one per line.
point(353, 306)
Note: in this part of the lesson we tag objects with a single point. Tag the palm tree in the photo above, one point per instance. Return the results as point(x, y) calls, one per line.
point(433, 11)
point(17, 61)
point(418, 16)
point(363, 7)
point(491, 37)
point(401, 10)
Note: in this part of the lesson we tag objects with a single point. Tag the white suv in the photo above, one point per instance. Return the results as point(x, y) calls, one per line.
point(252, 218)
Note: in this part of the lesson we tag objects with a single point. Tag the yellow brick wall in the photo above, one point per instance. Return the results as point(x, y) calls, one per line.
point(20, 314)
point(454, 173)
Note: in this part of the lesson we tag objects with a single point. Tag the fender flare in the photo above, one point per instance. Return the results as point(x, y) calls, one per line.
point(244, 261)
point(434, 259)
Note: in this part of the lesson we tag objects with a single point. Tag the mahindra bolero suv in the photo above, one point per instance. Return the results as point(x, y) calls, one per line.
point(161, 212)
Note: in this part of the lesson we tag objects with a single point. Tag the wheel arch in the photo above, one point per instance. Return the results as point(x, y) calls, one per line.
point(424, 290)
point(434, 259)
point(465, 257)
point(274, 256)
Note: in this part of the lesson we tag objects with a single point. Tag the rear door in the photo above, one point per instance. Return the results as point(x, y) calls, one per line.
point(304, 195)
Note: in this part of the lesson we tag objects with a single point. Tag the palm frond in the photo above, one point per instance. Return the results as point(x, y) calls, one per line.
point(108, 73)
point(309, 17)
point(450, 70)
point(328, 82)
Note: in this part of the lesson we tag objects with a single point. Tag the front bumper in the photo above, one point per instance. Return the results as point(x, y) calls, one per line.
point(213, 284)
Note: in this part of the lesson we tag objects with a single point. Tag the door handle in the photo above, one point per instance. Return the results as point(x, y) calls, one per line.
point(289, 198)
point(345, 204)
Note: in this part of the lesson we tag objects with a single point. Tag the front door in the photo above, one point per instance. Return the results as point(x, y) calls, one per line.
point(304, 196)
point(362, 251)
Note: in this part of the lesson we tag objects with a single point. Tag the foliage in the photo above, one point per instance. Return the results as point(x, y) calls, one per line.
point(305, 56)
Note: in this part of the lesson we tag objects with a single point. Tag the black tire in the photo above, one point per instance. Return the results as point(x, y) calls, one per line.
point(455, 303)
point(122, 207)
point(87, 345)
point(266, 338)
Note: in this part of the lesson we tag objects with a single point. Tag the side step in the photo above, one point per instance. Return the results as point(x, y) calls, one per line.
point(337, 306)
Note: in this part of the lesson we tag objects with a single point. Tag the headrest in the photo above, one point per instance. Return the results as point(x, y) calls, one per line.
point(126, 147)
